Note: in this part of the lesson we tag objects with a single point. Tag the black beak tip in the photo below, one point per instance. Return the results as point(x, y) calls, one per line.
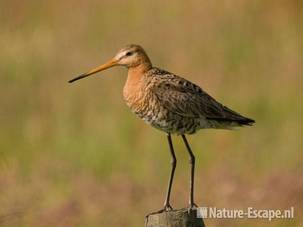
point(77, 78)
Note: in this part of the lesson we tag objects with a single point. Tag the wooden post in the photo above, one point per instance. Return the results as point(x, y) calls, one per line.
point(176, 218)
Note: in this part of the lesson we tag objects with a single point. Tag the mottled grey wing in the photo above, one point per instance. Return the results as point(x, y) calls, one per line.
point(187, 99)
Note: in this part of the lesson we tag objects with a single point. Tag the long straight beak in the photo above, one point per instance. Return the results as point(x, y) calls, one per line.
point(107, 65)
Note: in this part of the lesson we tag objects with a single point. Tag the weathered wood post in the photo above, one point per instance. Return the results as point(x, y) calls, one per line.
point(175, 218)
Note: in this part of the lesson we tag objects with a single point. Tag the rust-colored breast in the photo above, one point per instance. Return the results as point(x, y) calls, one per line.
point(133, 91)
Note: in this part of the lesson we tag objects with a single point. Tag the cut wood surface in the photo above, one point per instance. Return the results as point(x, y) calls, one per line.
point(175, 218)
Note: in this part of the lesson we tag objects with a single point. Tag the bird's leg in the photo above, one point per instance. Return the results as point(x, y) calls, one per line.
point(167, 205)
point(192, 173)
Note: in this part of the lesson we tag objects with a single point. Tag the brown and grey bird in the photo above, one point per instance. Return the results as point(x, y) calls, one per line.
point(170, 103)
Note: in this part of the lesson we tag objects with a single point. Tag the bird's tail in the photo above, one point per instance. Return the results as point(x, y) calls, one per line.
point(234, 122)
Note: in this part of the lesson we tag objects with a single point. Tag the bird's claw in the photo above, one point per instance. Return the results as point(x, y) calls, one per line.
point(192, 206)
point(167, 207)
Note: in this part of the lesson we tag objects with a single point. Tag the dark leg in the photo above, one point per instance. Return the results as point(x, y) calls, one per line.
point(192, 172)
point(173, 167)
point(167, 205)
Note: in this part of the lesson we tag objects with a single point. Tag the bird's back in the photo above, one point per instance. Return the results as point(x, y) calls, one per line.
point(176, 105)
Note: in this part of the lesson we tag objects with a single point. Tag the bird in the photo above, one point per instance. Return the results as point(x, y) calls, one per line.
point(170, 103)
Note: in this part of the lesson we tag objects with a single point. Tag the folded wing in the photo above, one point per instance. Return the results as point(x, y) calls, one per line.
point(187, 99)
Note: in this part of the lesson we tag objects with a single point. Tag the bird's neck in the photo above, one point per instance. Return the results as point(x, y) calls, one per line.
point(134, 73)
point(133, 87)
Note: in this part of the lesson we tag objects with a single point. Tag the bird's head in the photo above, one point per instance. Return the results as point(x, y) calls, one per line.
point(129, 56)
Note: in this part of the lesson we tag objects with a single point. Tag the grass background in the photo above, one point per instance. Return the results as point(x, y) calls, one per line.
point(74, 155)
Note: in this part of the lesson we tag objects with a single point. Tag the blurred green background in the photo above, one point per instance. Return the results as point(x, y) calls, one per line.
point(74, 155)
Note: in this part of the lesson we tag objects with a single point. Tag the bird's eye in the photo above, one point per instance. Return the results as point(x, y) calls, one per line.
point(128, 54)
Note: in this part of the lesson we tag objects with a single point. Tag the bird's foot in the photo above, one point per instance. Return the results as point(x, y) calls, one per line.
point(192, 206)
point(167, 207)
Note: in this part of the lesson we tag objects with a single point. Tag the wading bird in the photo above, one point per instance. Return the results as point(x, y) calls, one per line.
point(170, 103)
